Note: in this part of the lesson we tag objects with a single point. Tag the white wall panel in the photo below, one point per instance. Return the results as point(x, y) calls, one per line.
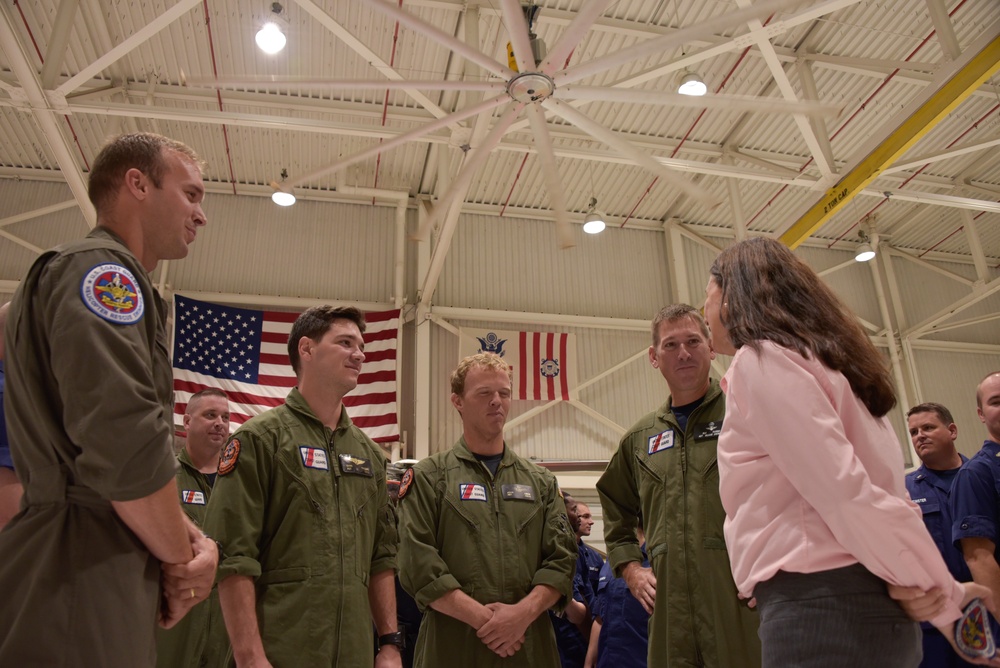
point(516, 264)
point(312, 249)
point(951, 379)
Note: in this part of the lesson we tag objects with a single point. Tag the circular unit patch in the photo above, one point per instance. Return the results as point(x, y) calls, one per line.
point(230, 453)
point(404, 484)
point(111, 291)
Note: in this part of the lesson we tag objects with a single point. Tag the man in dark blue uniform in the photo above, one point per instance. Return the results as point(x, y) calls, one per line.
point(589, 563)
point(975, 495)
point(572, 624)
point(933, 432)
point(620, 635)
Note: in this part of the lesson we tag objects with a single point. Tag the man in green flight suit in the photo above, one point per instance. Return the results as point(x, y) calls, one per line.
point(303, 513)
point(199, 640)
point(485, 545)
point(666, 469)
point(101, 548)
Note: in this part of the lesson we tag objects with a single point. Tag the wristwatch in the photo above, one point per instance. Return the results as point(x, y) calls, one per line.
point(397, 639)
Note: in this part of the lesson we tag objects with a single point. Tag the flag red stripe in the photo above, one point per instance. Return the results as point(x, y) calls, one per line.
point(373, 398)
point(536, 345)
point(550, 381)
point(522, 372)
point(281, 316)
point(564, 366)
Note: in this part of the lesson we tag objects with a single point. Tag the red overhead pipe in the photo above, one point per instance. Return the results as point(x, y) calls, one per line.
point(687, 134)
point(218, 97)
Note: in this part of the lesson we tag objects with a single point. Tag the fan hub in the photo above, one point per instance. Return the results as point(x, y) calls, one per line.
point(531, 87)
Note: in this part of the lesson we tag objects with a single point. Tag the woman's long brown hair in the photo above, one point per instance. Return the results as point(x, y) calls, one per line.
point(771, 295)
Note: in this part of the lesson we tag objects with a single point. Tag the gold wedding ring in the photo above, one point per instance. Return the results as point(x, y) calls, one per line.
point(192, 592)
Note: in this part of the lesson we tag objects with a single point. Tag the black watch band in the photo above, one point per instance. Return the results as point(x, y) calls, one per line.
point(397, 639)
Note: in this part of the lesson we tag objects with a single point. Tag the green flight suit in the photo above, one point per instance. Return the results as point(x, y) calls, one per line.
point(672, 477)
point(493, 537)
point(89, 404)
point(200, 639)
point(305, 511)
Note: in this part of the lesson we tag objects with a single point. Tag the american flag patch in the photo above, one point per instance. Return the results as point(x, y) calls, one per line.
point(193, 497)
point(662, 441)
point(470, 491)
point(314, 458)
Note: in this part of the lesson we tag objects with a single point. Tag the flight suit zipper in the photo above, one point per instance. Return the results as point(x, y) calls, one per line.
point(499, 529)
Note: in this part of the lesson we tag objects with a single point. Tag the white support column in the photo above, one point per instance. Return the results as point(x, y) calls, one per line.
point(894, 360)
point(906, 351)
point(680, 290)
point(736, 212)
point(975, 244)
point(422, 353)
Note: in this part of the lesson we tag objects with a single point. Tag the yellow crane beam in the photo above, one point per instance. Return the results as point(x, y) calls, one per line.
point(953, 92)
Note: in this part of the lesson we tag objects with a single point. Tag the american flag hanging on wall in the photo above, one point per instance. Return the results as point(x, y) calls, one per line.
point(244, 352)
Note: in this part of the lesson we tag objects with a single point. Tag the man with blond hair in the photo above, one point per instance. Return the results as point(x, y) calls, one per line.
point(485, 545)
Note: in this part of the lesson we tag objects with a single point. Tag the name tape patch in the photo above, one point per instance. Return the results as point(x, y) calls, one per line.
point(471, 491)
point(662, 441)
point(356, 465)
point(709, 430)
point(517, 491)
point(314, 458)
point(193, 497)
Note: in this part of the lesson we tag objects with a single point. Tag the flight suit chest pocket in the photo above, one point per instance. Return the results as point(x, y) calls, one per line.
point(651, 471)
point(464, 532)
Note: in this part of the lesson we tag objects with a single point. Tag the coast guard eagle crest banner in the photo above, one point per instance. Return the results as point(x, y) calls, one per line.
point(544, 362)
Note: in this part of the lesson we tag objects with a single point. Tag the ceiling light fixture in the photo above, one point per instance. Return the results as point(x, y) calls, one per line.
point(269, 38)
point(691, 84)
point(593, 222)
point(864, 252)
point(282, 195)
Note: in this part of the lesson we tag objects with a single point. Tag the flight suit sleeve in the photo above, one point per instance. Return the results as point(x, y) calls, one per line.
point(386, 543)
point(104, 374)
point(559, 552)
point(621, 506)
point(236, 510)
point(974, 504)
point(422, 571)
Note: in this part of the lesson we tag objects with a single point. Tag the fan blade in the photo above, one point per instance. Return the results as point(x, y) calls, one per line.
point(473, 161)
point(284, 83)
point(677, 38)
point(443, 38)
point(603, 134)
point(728, 102)
point(387, 144)
point(517, 30)
point(543, 142)
point(588, 13)
point(275, 185)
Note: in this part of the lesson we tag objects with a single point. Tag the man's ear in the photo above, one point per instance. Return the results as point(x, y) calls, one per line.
point(456, 401)
point(137, 183)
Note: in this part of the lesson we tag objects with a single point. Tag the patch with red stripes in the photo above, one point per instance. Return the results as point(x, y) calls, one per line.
point(471, 491)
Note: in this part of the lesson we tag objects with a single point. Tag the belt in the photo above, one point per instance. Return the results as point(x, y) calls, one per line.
point(48, 486)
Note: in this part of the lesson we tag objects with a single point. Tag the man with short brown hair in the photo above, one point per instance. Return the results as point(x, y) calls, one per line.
point(666, 470)
point(90, 420)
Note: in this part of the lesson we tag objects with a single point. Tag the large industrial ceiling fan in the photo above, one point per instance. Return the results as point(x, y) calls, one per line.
point(534, 89)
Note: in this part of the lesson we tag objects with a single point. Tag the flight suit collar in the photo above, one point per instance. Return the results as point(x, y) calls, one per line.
point(666, 415)
point(462, 452)
point(296, 402)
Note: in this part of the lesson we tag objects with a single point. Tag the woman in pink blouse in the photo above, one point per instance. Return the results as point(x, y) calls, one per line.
point(817, 515)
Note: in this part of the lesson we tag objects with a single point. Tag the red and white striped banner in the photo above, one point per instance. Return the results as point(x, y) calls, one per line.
point(544, 363)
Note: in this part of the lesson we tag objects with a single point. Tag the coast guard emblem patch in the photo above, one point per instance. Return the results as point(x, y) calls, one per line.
point(662, 441)
point(111, 291)
point(972, 632)
point(470, 491)
point(314, 458)
point(193, 497)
